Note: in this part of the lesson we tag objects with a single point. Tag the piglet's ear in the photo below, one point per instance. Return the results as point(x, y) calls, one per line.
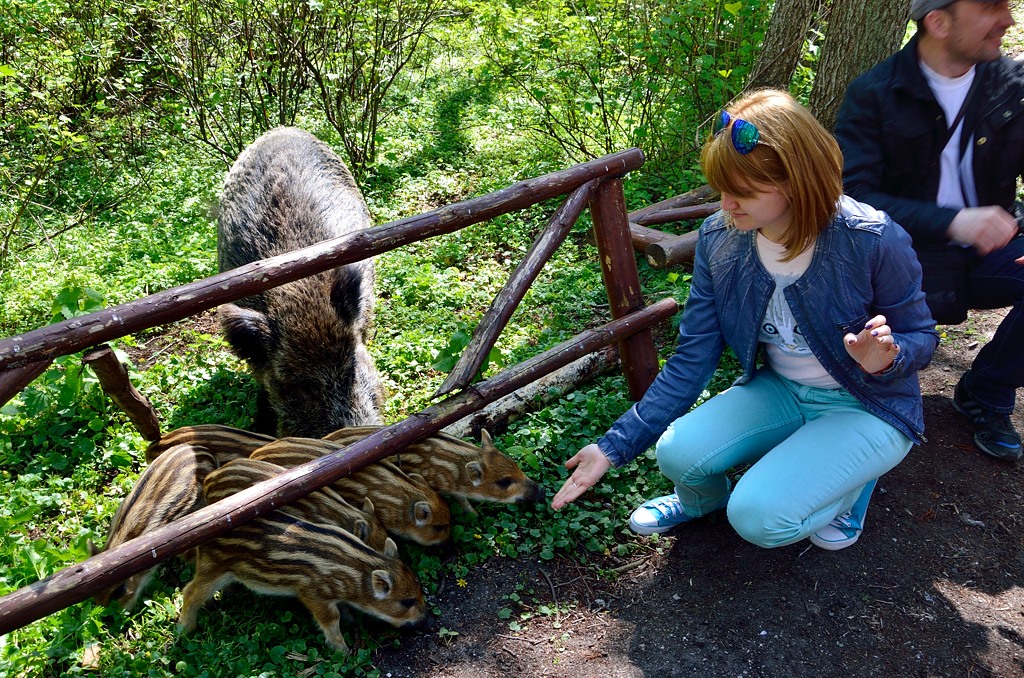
point(248, 333)
point(382, 583)
point(422, 513)
point(475, 471)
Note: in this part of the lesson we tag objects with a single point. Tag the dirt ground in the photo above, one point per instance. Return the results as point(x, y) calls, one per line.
point(934, 587)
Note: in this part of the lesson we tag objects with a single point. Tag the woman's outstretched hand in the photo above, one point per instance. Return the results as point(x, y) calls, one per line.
point(589, 464)
point(874, 347)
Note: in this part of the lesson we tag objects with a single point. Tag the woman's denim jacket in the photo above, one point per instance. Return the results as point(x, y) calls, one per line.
point(862, 266)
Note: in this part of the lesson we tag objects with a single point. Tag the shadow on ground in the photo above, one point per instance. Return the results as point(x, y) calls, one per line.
point(935, 587)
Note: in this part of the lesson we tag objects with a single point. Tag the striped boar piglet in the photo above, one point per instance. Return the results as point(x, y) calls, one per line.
point(324, 566)
point(169, 488)
point(404, 503)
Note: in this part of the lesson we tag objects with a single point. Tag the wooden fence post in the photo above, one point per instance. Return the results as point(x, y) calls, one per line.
point(637, 353)
point(114, 380)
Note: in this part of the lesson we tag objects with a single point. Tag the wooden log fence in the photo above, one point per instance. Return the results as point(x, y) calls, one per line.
point(76, 334)
point(77, 582)
point(665, 249)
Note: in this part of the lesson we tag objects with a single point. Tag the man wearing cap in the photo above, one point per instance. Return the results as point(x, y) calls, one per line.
point(934, 135)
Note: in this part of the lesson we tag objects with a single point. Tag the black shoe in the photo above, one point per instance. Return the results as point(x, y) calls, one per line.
point(993, 433)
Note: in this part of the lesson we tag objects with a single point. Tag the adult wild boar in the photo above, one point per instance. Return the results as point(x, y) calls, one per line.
point(305, 341)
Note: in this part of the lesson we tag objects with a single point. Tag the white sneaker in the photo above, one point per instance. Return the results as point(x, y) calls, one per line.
point(661, 514)
point(845, 529)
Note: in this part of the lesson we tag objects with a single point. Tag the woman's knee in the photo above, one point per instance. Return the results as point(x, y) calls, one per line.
point(761, 521)
point(675, 454)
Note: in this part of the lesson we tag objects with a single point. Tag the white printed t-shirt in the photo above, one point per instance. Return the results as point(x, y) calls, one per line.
point(787, 352)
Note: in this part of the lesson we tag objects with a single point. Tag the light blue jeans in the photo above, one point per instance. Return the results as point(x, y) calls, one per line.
point(812, 450)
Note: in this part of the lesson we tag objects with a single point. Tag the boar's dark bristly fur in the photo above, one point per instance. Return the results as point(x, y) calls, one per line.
point(305, 341)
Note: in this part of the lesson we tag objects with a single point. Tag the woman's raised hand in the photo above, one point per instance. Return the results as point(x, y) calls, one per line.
point(874, 348)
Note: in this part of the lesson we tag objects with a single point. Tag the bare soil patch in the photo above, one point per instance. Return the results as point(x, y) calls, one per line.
point(934, 587)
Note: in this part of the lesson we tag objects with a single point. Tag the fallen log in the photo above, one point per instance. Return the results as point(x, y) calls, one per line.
point(674, 250)
point(642, 236)
point(697, 196)
point(497, 416)
point(680, 214)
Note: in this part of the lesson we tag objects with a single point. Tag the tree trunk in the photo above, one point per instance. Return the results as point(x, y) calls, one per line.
point(783, 43)
point(860, 34)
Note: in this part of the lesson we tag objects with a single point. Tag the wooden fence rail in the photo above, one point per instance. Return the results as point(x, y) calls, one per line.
point(77, 582)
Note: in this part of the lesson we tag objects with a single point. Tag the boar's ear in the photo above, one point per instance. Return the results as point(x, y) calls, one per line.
point(421, 512)
point(381, 580)
point(247, 331)
point(368, 507)
point(485, 439)
point(390, 548)
point(93, 550)
point(362, 530)
point(347, 295)
point(475, 470)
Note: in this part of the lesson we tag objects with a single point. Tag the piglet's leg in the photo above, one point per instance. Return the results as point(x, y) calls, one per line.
point(327, 616)
point(204, 584)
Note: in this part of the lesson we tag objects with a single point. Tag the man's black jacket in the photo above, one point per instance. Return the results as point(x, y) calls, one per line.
point(891, 129)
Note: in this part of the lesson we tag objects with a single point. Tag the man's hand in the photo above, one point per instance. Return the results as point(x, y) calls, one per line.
point(986, 229)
